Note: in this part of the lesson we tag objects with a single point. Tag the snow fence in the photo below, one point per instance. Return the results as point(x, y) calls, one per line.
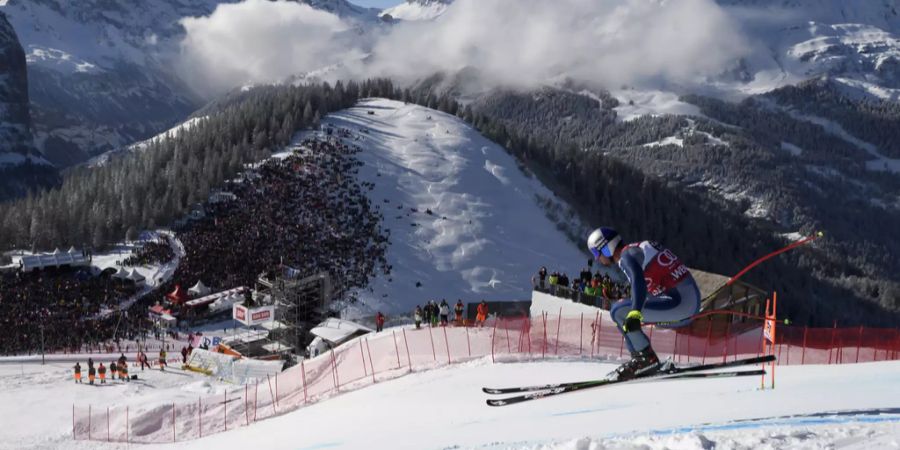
point(398, 351)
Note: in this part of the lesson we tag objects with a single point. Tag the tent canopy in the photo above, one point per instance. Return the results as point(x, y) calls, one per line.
point(178, 296)
point(199, 289)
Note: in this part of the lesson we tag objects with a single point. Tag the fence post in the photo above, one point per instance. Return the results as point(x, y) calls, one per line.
point(447, 344)
point(544, 344)
point(225, 410)
point(396, 347)
point(831, 345)
point(581, 335)
point(89, 422)
point(409, 358)
point(255, 401)
point(431, 338)
point(596, 339)
point(73, 422)
point(246, 403)
point(706, 344)
point(725, 340)
point(859, 343)
point(803, 352)
point(508, 346)
point(371, 364)
point(271, 395)
point(173, 423)
point(675, 349)
point(107, 424)
point(199, 416)
point(468, 343)
point(558, 324)
point(337, 380)
point(127, 426)
point(361, 355)
point(690, 334)
point(493, 333)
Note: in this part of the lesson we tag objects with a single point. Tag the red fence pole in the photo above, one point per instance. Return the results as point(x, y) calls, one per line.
point(675, 350)
point(831, 345)
point(803, 352)
point(508, 346)
point(361, 355)
point(396, 347)
point(558, 324)
point(447, 344)
point(271, 395)
point(859, 343)
point(337, 380)
point(371, 365)
point(247, 405)
point(725, 347)
point(581, 334)
point(431, 338)
point(255, 401)
point(706, 344)
point(409, 358)
point(302, 379)
point(596, 336)
point(544, 344)
point(173, 423)
point(493, 333)
point(468, 343)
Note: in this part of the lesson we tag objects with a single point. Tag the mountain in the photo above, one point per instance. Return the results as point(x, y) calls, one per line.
point(20, 162)
point(417, 10)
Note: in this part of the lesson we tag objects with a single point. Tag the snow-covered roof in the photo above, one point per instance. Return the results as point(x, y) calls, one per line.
point(135, 276)
point(199, 289)
point(55, 259)
point(337, 331)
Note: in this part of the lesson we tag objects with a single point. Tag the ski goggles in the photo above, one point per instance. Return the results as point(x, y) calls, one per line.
point(602, 251)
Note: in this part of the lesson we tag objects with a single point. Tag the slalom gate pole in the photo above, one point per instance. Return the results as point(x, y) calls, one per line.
point(371, 364)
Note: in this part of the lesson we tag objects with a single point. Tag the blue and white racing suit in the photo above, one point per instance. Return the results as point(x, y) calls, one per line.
point(662, 288)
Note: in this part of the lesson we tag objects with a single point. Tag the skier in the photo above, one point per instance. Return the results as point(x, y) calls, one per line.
point(78, 372)
point(458, 309)
point(663, 292)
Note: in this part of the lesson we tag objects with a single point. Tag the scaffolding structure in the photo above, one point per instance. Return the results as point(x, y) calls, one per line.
point(301, 303)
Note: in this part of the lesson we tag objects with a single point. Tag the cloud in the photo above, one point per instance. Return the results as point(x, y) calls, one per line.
point(509, 42)
point(260, 41)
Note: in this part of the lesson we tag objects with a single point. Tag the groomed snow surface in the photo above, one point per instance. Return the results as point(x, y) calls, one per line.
point(848, 406)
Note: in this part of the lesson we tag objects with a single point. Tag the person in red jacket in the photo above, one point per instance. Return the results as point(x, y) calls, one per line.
point(379, 322)
point(482, 313)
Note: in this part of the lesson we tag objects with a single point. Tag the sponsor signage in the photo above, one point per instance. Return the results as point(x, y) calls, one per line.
point(253, 316)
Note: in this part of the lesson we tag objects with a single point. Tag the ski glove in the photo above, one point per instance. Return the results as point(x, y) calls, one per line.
point(633, 321)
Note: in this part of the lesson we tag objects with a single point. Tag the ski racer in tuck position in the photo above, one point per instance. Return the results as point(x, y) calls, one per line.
point(663, 292)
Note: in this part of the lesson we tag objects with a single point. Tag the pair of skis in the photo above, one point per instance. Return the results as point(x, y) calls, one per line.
point(529, 393)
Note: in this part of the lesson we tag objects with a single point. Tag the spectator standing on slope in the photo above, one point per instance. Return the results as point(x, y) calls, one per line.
point(77, 372)
point(101, 370)
point(379, 322)
point(482, 313)
point(445, 313)
point(417, 316)
point(458, 309)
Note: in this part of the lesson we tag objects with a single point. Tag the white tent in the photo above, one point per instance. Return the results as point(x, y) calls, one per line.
point(199, 289)
point(136, 277)
point(122, 274)
point(43, 260)
point(56, 251)
point(72, 250)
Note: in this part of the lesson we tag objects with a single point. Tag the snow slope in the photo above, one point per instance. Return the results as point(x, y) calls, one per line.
point(444, 408)
point(418, 10)
point(486, 235)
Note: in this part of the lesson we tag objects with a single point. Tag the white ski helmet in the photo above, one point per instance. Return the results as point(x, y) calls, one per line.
point(603, 241)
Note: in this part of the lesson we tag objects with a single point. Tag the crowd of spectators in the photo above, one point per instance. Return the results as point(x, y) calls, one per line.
point(154, 252)
point(306, 211)
point(592, 288)
point(59, 303)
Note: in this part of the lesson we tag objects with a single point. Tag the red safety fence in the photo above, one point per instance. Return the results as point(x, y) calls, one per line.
point(396, 352)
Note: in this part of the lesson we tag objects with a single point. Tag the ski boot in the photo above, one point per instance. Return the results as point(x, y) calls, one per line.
point(642, 363)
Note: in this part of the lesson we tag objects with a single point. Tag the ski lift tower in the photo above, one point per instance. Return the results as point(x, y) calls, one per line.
point(302, 302)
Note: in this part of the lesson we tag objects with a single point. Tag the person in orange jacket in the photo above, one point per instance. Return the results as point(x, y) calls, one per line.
point(78, 372)
point(101, 371)
point(379, 322)
point(482, 313)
